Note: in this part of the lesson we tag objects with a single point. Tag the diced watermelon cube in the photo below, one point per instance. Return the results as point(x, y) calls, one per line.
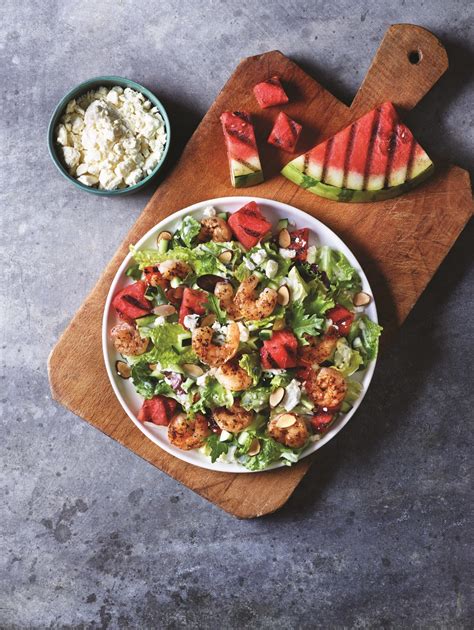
point(131, 302)
point(280, 351)
point(249, 225)
point(270, 92)
point(299, 243)
point(242, 152)
point(193, 303)
point(285, 133)
point(321, 421)
point(342, 319)
point(158, 410)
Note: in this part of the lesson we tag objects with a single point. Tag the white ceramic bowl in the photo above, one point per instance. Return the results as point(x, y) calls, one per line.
point(124, 390)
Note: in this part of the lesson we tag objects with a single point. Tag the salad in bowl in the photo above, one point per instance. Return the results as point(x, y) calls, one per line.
point(240, 340)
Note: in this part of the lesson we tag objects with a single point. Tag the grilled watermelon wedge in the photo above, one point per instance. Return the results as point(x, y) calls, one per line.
point(244, 161)
point(374, 158)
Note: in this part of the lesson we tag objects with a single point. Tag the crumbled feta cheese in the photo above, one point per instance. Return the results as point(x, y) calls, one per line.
point(201, 380)
point(244, 332)
point(249, 264)
point(111, 134)
point(208, 212)
point(191, 321)
point(88, 180)
point(292, 395)
point(71, 156)
point(287, 253)
point(159, 321)
point(259, 256)
point(62, 135)
point(271, 269)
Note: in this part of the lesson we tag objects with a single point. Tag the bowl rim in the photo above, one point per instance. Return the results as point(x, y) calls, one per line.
point(163, 224)
point(83, 87)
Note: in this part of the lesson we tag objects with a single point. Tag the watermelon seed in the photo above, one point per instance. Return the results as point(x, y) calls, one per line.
point(361, 299)
point(284, 238)
point(283, 295)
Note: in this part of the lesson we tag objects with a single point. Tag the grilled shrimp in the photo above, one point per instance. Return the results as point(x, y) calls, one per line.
point(224, 292)
point(188, 433)
point(326, 387)
point(208, 351)
point(127, 340)
point(249, 306)
point(215, 229)
point(174, 269)
point(233, 377)
point(294, 436)
point(234, 419)
point(318, 350)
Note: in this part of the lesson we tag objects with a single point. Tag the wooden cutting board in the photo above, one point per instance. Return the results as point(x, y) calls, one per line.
point(399, 242)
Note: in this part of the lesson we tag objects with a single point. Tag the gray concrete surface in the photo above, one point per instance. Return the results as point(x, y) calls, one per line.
point(378, 534)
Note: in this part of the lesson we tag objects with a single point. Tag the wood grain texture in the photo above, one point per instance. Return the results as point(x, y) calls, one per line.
point(400, 242)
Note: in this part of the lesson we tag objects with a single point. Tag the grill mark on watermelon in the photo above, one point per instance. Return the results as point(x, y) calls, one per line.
point(240, 135)
point(327, 154)
point(134, 302)
point(411, 159)
point(271, 360)
point(347, 157)
point(250, 232)
point(243, 116)
point(391, 154)
point(373, 135)
point(306, 163)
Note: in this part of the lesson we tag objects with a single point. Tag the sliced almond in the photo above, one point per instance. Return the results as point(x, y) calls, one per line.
point(254, 447)
point(277, 396)
point(361, 299)
point(279, 324)
point(284, 238)
point(285, 421)
point(123, 369)
point(208, 320)
point(283, 295)
point(226, 256)
point(166, 236)
point(192, 369)
point(164, 310)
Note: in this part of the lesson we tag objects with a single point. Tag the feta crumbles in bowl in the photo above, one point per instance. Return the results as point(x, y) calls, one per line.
point(109, 136)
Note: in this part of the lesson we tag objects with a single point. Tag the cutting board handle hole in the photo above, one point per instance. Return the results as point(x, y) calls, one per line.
point(414, 57)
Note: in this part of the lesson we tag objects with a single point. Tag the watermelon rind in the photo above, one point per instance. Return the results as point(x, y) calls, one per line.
point(244, 181)
point(292, 172)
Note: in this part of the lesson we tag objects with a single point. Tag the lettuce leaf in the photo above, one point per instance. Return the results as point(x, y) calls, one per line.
point(301, 323)
point(346, 359)
point(299, 289)
point(212, 394)
point(188, 230)
point(364, 337)
point(340, 272)
point(215, 448)
point(204, 258)
point(270, 452)
point(164, 353)
point(251, 364)
point(255, 398)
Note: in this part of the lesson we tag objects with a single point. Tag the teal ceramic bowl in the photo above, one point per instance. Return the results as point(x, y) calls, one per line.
point(82, 88)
